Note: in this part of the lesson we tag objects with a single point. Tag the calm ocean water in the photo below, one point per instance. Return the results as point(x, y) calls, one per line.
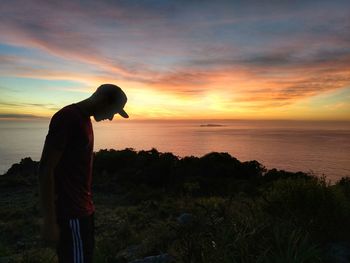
point(320, 147)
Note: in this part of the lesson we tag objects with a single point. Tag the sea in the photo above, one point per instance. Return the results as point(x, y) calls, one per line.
point(318, 147)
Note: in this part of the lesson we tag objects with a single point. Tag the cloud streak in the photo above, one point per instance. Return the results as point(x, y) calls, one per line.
point(13, 116)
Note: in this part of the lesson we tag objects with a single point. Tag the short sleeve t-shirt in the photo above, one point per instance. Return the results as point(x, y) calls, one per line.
point(71, 131)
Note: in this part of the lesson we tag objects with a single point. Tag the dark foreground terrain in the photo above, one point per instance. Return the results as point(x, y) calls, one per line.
point(156, 207)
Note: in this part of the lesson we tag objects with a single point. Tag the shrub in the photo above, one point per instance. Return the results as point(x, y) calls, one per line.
point(310, 204)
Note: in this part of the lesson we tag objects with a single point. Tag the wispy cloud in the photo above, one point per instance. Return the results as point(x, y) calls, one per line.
point(49, 106)
point(19, 116)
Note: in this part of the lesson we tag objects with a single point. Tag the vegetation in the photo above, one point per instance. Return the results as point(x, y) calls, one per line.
point(209, 209)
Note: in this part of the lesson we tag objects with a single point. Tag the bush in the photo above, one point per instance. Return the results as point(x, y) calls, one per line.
point(312, 205)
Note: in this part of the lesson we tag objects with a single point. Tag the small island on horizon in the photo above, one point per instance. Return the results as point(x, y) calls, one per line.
point(212, 125)
point(215, 208)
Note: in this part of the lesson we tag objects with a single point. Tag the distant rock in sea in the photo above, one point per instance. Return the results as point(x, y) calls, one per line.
point(211, 125)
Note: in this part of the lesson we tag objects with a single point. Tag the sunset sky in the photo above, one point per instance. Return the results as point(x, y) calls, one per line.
point(178, 59)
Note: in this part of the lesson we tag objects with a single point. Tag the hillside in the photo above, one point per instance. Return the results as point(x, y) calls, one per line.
point(209, 209)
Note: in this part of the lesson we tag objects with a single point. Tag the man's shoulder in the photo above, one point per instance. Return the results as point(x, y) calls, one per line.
point(66, 114)
point(68, 111)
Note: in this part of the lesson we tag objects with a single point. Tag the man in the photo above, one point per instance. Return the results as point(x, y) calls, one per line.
point(65, 173)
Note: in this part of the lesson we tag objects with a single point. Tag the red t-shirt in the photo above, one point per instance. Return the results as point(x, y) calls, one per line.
point(71, 131)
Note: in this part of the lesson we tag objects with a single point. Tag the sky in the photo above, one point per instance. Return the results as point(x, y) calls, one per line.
point(252, 59)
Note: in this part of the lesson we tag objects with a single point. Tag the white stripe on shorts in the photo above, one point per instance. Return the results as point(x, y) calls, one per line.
point(74, 241)
point(77, 242)
point(80, 242)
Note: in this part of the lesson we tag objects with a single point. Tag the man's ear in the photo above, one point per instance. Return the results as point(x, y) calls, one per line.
point(99, 101)
point(105, 101)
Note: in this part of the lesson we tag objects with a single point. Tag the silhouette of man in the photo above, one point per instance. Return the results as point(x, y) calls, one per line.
point(65, 173)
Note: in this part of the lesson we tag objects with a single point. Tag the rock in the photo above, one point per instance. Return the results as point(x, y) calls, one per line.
point(130, 253)
point(185, 218)
point(20, 245)
point(162, 258)
point(339, 252)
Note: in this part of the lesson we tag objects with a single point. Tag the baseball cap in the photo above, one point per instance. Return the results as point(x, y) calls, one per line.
point(115, 96)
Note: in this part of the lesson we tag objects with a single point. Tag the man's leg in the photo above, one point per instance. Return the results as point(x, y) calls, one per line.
point(76, 242)
point(65, 244)
point(87, 234)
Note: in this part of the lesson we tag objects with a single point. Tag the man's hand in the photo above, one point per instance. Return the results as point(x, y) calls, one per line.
point(50, 233)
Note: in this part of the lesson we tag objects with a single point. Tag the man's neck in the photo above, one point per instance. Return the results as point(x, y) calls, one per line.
point(86, 107)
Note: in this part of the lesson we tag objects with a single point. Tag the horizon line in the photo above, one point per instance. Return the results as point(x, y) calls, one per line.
point(42, 118)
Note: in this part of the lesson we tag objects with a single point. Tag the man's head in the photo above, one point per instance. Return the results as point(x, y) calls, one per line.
point(109, 99)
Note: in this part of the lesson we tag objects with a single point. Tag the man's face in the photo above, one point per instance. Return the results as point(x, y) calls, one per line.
point(105, 112)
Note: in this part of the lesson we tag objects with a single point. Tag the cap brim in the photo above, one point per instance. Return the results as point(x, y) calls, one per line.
point(123, 114)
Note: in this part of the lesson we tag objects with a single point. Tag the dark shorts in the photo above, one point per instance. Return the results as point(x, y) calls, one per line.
point(76, 244)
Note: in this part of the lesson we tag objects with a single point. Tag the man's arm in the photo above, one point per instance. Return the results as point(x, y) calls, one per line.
point(49, 160)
